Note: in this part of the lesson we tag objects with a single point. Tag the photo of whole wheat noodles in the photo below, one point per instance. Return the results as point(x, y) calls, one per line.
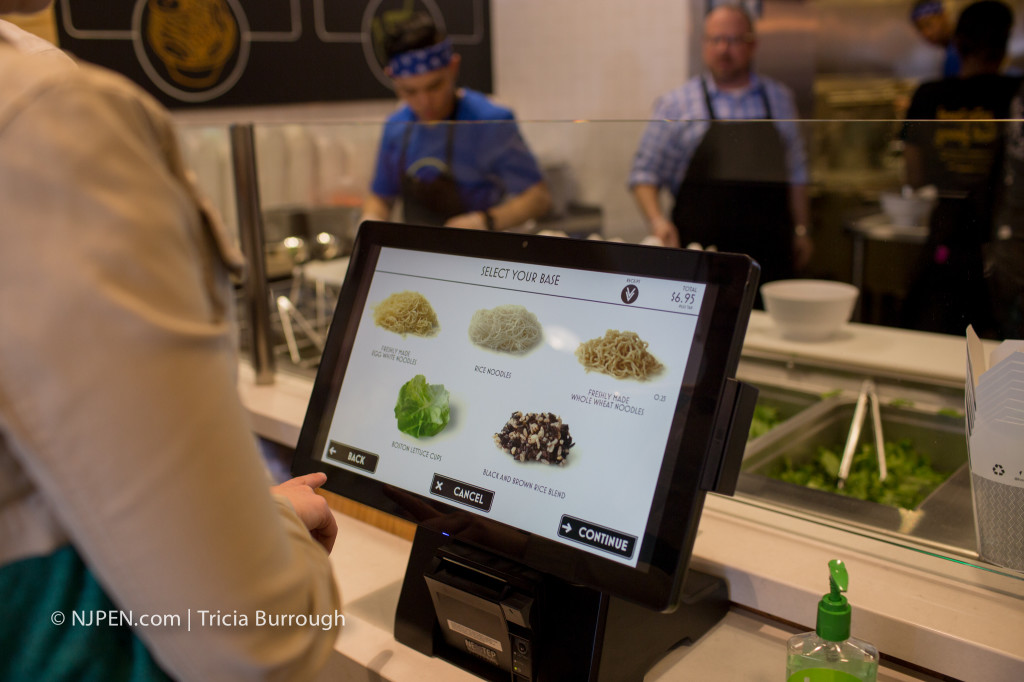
point(407, 312)
point(509, 328)
point(535, 437)
point(622, 355)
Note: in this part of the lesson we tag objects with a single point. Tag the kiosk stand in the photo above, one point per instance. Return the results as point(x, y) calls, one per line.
point(501, 620)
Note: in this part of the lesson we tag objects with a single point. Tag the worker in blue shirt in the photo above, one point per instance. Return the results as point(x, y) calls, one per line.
point(934, 25)
point(737, 186)
point(452, 156)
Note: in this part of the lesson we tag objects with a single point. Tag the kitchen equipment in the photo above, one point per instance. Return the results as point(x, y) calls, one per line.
point(945, 518)
point(297, 234)
point(909, 208)
point(562, 186)
point(853, 437)
point(776, 404)
point(868, 395)
point(809, 309)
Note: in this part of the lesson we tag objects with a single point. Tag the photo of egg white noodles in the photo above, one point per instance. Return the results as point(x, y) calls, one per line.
point(407, 312)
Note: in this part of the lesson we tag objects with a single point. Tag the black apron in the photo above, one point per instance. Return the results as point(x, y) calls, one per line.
point(948, 290)
point(735, 194)
point(430, 202)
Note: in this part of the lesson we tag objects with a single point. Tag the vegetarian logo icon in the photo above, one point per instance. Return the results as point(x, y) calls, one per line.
point(629, 294)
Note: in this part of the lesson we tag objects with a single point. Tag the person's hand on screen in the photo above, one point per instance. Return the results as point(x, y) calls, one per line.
point(311, 508)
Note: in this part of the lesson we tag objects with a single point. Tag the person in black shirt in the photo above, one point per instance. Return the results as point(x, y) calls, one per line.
point(1004, 258)
point(958, 149)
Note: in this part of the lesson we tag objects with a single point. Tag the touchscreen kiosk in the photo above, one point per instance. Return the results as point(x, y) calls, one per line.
point(551, 413)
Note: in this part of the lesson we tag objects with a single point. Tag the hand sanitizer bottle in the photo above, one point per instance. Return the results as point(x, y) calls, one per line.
point(829, 654)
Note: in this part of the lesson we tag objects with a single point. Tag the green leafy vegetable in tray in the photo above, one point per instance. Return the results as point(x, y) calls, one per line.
point(422, 409)
point(765, 419)
point(910, 474)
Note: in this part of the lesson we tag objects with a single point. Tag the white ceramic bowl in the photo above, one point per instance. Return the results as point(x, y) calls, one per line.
point(904, 211)
point(809, 309)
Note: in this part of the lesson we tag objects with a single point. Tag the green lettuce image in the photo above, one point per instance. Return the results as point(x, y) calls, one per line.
point(422, 409)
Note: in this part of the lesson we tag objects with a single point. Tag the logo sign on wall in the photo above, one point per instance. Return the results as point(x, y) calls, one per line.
point(247, 52)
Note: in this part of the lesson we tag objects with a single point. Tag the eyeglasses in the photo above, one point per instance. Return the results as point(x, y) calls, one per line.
point(729, 41)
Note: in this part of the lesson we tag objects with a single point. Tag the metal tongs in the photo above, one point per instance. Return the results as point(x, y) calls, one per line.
point(868, 394)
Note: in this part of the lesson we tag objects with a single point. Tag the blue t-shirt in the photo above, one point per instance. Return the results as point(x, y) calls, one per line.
point(951, 63)
point(490, 158)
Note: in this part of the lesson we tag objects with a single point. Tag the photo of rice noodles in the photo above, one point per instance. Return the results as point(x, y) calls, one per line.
point(407, 312)
point(620, 354)
point(509, 328)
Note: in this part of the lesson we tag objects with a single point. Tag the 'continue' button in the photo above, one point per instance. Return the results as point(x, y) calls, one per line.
point(463, 493)
point(597, 536)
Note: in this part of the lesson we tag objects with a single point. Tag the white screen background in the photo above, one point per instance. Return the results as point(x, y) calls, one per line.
point(611, 471)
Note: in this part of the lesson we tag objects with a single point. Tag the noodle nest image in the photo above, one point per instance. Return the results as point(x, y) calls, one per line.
point(535, 437)
point(406, 312)
point(621, 354)
point(508, 328)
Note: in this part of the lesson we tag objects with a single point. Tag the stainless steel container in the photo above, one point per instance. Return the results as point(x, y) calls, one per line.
point(296, 234)
point(787, 403)
point(945, 518)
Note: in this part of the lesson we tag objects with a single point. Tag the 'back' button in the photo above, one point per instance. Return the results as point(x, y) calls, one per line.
point(348, 456)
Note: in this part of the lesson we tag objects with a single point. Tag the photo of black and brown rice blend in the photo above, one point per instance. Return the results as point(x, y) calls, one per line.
point(535, 437)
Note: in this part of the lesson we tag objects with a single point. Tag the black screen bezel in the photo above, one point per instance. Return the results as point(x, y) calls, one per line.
point(731, 281)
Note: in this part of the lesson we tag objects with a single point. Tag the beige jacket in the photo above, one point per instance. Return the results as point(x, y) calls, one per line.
point(120, 428)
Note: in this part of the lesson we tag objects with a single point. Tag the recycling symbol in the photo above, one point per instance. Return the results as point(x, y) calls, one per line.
point(998, 470)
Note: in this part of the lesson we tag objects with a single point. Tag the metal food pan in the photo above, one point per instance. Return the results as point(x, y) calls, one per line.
point(787, 401)
point(939, 519)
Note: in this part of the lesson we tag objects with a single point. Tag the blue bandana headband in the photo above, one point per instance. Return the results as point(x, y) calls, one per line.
point(424, 60)
point(926, 10)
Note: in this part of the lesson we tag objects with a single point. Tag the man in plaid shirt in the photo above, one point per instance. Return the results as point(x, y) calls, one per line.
point(738, 186)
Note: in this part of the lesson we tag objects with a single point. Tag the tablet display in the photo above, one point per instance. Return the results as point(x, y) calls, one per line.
point(550, 399)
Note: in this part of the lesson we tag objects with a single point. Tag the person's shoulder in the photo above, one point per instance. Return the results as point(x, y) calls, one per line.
point(687, 89)
point(1010, 82)
point(113, 87)
point(1005, 88)
point(678, 98)
point(771, 84)
point(477, 106)
point(27, 81)
point(932, 89)
point(396, 123)
point(402, 114)
point(31, 44)
point(23, 76)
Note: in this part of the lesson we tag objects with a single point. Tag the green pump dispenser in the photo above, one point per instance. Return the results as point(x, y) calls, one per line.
point(829, 654)
point(833, 609)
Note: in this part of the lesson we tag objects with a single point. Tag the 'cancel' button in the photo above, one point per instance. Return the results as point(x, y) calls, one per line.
point(463, 493)
point(597, 536)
